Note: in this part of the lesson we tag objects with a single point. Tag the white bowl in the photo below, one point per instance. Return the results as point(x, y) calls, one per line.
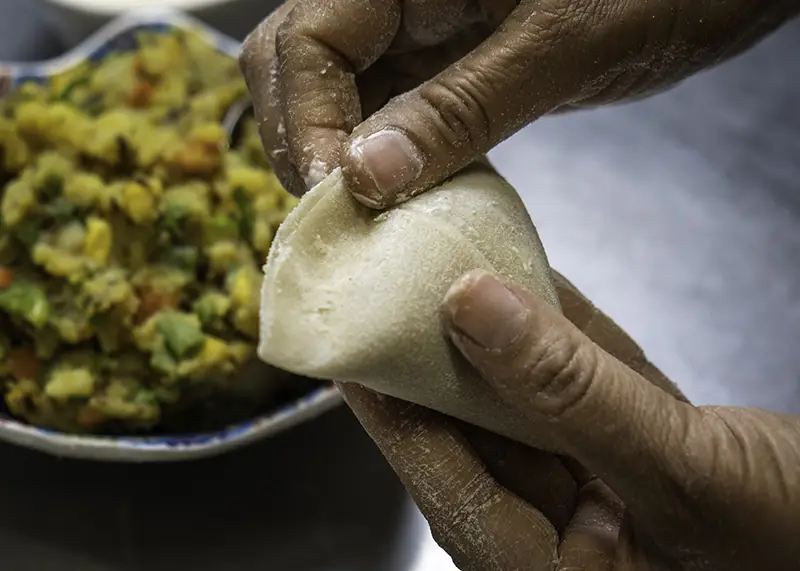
point(75, 20)
point(118, 35)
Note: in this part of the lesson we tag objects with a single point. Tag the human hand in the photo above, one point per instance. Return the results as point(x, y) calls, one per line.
point(652, 483)
point(403, 94)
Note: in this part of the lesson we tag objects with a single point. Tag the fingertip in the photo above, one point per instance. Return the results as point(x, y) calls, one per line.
point(482, 309)
point(360, 185)
point(382, 167)
point(287, 174)
point(457, 291)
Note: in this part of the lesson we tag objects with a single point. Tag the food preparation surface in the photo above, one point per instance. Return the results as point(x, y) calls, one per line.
point(678, 215)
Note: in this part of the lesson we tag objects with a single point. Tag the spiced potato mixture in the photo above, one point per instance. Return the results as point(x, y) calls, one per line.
point(131, 238)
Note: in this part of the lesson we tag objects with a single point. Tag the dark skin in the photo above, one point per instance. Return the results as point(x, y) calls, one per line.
point(426, 86)
point(651, 482)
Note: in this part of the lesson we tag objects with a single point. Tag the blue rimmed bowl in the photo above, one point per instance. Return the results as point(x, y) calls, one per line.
point(119, 35)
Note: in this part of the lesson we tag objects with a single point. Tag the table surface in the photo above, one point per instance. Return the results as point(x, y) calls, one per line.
point(677, 215)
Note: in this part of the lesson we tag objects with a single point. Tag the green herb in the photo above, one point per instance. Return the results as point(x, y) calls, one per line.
point(183, 257)
point(211, 308)
point(181, 331)
point(60, 209)
point(219, 228)
point(173, 218)
point(26, 301)
point(247, 213)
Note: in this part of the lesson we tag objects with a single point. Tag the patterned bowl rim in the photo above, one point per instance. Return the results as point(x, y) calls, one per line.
point(166, 448)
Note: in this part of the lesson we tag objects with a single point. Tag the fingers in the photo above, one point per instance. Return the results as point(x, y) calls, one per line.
point(590, 541)
point(602, 330)
point(421, 137)
point(322, 47)
point(540, 57)
point(627, 431)
point(753, 496)
point(300, 65)
point(694, 480)
point(259, 64)
point(479, 523)
point(537, 477)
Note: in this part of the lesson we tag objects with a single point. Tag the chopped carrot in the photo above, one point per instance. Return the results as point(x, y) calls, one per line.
point(23, 363)
point(138, 67)
point(198, 158)
point(6, 277)
point(152, 302)
point(142, 94)
point(89, 417)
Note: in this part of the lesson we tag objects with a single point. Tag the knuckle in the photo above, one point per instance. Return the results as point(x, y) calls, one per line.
point(559, 24)
point(252, 51)
point(459, 108)
point(559, 19)
point(472, 497)
point(559, 31)
point(548, 24)
point(461, 516)
point(285, 37)
point(295, 38)
point(693, 478)
point(560, 371)
point(727, 444)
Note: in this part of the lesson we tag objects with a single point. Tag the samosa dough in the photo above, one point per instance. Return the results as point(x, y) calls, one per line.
point(354, 295)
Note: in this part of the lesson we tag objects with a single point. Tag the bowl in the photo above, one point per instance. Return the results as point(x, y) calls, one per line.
point(75, 20)
point(115, 36)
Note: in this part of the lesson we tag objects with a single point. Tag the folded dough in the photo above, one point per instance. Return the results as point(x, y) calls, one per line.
point(354, 295)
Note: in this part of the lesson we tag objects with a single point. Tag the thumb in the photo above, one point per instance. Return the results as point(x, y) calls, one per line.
point(645, 444)
point(423, 136)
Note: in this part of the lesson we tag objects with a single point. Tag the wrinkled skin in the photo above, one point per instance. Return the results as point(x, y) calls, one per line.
point(403, 93)
point(652, 483)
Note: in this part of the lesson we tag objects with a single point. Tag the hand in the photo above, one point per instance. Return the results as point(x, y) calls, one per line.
point(404, 93)
point(652, 482)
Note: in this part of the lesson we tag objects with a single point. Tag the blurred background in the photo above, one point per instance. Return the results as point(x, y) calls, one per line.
point(678, 216)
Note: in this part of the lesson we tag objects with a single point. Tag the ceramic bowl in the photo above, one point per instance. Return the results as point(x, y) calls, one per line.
point(74, 20)
point(120, 35)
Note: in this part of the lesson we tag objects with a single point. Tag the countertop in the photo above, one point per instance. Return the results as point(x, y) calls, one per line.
point(678, 215)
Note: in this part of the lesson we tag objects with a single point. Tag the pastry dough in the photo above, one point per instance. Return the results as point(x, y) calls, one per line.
point(353, 294)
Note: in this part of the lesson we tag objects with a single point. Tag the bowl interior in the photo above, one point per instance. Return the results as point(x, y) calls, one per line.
point(306, 401)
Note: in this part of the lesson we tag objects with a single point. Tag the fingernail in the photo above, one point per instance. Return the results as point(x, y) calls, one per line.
point(390, 160)
point(483, 309)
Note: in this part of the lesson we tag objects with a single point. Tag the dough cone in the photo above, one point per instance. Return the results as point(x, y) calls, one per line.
point(353, 295)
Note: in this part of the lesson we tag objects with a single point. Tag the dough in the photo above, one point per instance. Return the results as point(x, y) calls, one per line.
point(354, 295)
